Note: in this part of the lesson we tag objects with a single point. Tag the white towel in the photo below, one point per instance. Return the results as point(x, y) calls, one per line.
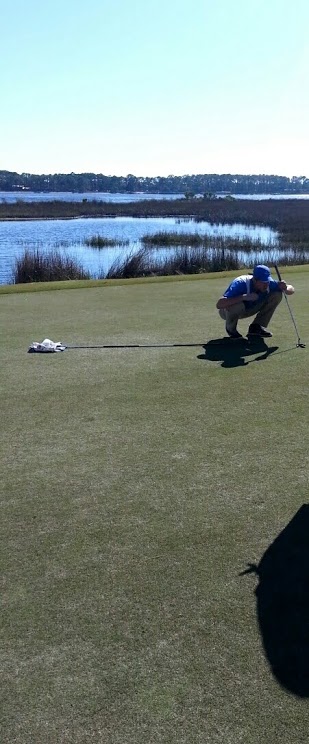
point(46, 346)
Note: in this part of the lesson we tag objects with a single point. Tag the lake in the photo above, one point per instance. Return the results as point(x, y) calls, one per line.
point(69, 236)
point(32, 196)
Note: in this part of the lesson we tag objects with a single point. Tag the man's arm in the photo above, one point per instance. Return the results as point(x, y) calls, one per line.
point(287, 289)
point(225, 302)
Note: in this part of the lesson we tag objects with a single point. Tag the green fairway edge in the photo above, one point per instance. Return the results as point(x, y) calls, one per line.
point(90, 283)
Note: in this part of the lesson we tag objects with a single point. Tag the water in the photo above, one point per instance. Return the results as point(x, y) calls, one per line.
point(69, 196)
point(69, 236)
point(29, 196)
point(259, 197)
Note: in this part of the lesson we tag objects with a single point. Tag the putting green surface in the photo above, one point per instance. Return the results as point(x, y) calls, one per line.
point(137, 485)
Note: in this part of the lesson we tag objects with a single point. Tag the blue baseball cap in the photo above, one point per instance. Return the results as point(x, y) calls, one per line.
point(261, 273)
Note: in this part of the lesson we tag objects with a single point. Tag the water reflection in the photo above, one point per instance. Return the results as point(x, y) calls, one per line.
point(27, 196)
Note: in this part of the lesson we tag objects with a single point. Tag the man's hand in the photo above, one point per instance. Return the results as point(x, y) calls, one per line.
point(252, 296)
point(283, 286)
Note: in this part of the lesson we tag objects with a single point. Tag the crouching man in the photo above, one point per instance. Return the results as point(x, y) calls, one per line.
point(252, 294)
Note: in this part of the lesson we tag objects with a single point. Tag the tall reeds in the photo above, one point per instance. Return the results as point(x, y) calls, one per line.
point(34, 266)
point(187, 256)
point(178, 261)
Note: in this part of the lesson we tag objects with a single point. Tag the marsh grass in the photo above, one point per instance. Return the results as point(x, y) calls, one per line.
point(183, 260)
point(100, 241)
point(171, 238)
point(289, 217)
point(219, 242)
point(203, 254)
point(134, 264)
point(35, 266)
point(176, 254)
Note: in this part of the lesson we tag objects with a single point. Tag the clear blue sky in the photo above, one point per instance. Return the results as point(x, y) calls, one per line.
point(155, 87)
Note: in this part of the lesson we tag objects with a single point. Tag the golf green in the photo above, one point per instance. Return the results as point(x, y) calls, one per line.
point(138, 486)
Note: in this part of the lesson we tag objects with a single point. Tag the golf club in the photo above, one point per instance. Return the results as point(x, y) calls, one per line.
point(299, 343)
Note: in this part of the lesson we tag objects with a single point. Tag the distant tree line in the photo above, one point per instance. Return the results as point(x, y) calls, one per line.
point(195, 184)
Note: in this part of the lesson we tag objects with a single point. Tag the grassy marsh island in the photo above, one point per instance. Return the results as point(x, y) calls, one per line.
point(99, 241)
point(290, 217)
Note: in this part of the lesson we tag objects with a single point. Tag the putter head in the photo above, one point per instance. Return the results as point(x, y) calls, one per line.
point(301, 346)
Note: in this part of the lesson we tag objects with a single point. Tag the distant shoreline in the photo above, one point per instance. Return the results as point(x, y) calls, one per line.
point(194, 183)
point(44, 219)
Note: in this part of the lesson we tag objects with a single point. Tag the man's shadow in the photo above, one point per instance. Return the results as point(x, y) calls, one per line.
point(283, 604)
point(232, 353)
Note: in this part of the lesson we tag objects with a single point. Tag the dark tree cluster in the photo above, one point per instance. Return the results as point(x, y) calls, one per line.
point(130, 184)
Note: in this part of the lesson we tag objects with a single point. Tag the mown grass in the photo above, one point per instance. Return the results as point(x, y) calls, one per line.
point(137, 484)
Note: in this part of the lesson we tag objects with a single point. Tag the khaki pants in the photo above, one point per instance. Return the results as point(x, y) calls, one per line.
point(266, 310)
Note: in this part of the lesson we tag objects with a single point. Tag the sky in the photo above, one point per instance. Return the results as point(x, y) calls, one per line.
point(155, 87)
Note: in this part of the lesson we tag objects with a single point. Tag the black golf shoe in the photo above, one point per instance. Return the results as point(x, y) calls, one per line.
point(256, 330)
point(234, 334)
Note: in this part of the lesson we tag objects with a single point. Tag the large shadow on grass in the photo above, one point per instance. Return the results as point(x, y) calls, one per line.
point(283, 604)
point(234, 353)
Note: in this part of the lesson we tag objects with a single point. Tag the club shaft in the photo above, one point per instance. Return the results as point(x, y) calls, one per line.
point(287, 302)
